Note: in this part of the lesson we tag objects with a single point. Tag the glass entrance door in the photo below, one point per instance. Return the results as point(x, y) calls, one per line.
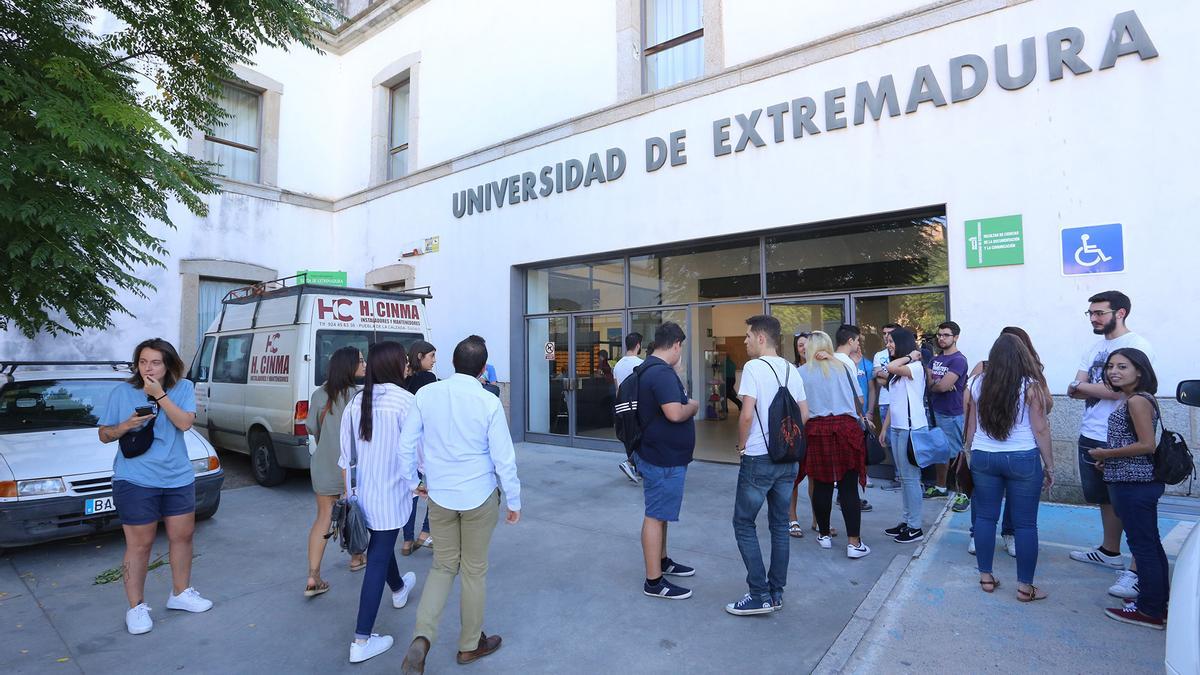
point(597, 347)
point(571, 385)
point(805, 316)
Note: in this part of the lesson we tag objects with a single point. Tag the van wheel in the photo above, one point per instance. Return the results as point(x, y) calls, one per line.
point(267, 471)
point(210, 512)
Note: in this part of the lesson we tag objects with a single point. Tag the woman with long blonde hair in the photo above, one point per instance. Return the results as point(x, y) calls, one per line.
point(834, 435)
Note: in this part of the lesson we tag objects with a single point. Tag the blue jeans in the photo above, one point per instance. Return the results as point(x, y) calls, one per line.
point(1006, 526)
point(1137, 506)
point(381, 565)
point(952, 426)
point(410, 527)
point(1016, 477)
point(759, 480)
point(910, 477)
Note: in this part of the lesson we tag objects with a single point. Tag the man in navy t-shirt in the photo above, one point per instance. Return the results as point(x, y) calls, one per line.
point(668, 440)
point(947, 378)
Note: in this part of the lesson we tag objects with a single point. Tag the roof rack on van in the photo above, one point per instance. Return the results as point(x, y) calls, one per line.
point(7, 368)
point(297, 285)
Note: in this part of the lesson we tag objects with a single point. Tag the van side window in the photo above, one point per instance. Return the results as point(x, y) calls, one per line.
point(233, 359)
point(203, 362)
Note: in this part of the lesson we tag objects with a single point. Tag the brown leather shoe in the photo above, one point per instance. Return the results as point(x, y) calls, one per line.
point(414, 660)
point(487, 645)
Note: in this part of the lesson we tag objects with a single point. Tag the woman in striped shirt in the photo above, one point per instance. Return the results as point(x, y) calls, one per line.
point(384, 486)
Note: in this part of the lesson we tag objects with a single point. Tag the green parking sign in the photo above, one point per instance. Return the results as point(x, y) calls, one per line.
point(995, 241)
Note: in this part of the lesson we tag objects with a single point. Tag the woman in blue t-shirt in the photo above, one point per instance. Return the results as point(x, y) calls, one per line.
point(152, 477)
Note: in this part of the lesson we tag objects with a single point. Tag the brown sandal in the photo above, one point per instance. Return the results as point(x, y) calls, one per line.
point(994, 583)
point(316, 589)
point(356, 566)
point(407, 548)
point(1034, 593)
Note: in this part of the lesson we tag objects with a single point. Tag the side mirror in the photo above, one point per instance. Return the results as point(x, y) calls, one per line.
point(1188, 393)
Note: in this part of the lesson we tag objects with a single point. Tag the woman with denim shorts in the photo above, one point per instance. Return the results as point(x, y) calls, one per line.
point(157, 484)
point(1008, 432)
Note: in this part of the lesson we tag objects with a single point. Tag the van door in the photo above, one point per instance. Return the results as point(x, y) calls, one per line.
point(227, 392)
point(201, 376)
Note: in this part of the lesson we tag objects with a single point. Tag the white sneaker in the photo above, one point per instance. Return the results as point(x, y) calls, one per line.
point(1126, 586)
point(189, 601)
point(374, 646)
point(853, 552)
point(1095, 557)
point(971, 546)
point(629, 471)
point(400, 597)
point(825, 542)
point(869, 482)
point(1010, 544)
point(138, 621)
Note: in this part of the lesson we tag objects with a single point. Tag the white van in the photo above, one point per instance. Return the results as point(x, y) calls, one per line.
point(269, 348)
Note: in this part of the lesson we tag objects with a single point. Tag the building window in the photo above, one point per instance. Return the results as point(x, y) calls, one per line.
point(672, 42)
point(234, 142)
point(398, 131)
point(212, 291)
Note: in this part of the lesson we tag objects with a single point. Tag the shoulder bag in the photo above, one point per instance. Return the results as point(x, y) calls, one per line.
point(926, 446)
point(348, 524)
point(1173, 462)
point(875, 452)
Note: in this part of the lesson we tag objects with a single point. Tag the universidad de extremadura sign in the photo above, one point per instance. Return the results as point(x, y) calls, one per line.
point(800, 116)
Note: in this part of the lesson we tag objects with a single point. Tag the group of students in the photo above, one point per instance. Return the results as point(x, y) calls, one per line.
point(400, 436)
point(995, 418)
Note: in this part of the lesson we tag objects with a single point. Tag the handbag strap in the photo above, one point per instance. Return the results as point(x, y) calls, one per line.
point(854, 396)
point(354, 454)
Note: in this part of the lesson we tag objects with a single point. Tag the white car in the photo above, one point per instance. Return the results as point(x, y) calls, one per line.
point(55, 474)
point(1183, 628)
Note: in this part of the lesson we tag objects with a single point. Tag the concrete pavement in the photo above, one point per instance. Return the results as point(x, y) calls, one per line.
point(565, 593)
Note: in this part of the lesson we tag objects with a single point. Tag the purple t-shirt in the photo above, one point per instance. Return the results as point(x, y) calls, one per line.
point(948, 402)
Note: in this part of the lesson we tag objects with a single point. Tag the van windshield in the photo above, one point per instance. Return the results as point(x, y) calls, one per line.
point(38, 405)
point(329, 341)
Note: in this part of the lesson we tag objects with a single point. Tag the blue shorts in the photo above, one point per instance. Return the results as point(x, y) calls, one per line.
point(663, 489)
point(1091, 479)
point(137, 505)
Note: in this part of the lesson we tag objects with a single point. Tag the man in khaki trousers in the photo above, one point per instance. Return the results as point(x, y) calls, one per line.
point(464, 447)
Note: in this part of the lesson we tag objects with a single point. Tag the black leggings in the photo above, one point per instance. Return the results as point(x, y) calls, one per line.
point(822, 503)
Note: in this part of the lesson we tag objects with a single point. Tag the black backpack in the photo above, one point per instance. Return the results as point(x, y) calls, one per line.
point(1172, 459)
point(784, 433)
point(626, 422)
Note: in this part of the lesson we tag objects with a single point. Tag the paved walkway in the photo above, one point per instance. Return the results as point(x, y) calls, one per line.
point(565, 593)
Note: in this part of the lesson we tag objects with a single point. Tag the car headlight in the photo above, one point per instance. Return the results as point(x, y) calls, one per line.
point(210, 463)
point(40, 486)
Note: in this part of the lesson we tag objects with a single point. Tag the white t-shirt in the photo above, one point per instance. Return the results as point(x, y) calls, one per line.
point(759, 381)
point(914, 389)
point(1020, 436)
point(1096, 411)
point(881, 359)
point(624, 368)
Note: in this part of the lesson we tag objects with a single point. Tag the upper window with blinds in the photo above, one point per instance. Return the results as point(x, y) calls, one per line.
point(234, 141)
point(672, 42)
point(398, 132)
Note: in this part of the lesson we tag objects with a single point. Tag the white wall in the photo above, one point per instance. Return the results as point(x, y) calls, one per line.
point(1073, 152)
point(756, 28)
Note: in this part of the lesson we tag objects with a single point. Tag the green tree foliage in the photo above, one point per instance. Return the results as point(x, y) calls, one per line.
point(86, 139)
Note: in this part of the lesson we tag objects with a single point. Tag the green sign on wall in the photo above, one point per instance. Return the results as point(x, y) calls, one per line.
point(995, 241)
point(324, 278)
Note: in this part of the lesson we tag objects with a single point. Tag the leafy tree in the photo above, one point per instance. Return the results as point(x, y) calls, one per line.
point(87, 127)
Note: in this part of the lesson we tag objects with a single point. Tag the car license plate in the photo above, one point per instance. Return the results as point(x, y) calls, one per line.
point(98, 505)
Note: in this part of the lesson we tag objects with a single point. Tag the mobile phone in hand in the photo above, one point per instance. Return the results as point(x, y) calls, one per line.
point(143, 410)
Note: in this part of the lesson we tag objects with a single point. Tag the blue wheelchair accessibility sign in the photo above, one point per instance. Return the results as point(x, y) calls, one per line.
point(1096, 249)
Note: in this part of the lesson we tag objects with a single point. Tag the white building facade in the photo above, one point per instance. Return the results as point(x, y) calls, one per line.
point(570, 172)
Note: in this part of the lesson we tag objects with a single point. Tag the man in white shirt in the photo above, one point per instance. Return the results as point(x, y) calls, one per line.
point(623, 369)
point(459, 435)
point(849, 342)
point(1107, 312)
point(759, 478)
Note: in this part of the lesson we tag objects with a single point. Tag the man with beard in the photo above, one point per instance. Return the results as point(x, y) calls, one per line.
point(1107, 313)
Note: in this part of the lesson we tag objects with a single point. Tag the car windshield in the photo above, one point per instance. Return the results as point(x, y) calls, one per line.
point(329, 341)
point(53, 404)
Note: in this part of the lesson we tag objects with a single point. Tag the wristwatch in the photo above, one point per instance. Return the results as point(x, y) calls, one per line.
point(1073, 386)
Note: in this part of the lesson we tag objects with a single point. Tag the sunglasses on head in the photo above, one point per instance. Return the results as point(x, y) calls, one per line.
point(804, 334)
